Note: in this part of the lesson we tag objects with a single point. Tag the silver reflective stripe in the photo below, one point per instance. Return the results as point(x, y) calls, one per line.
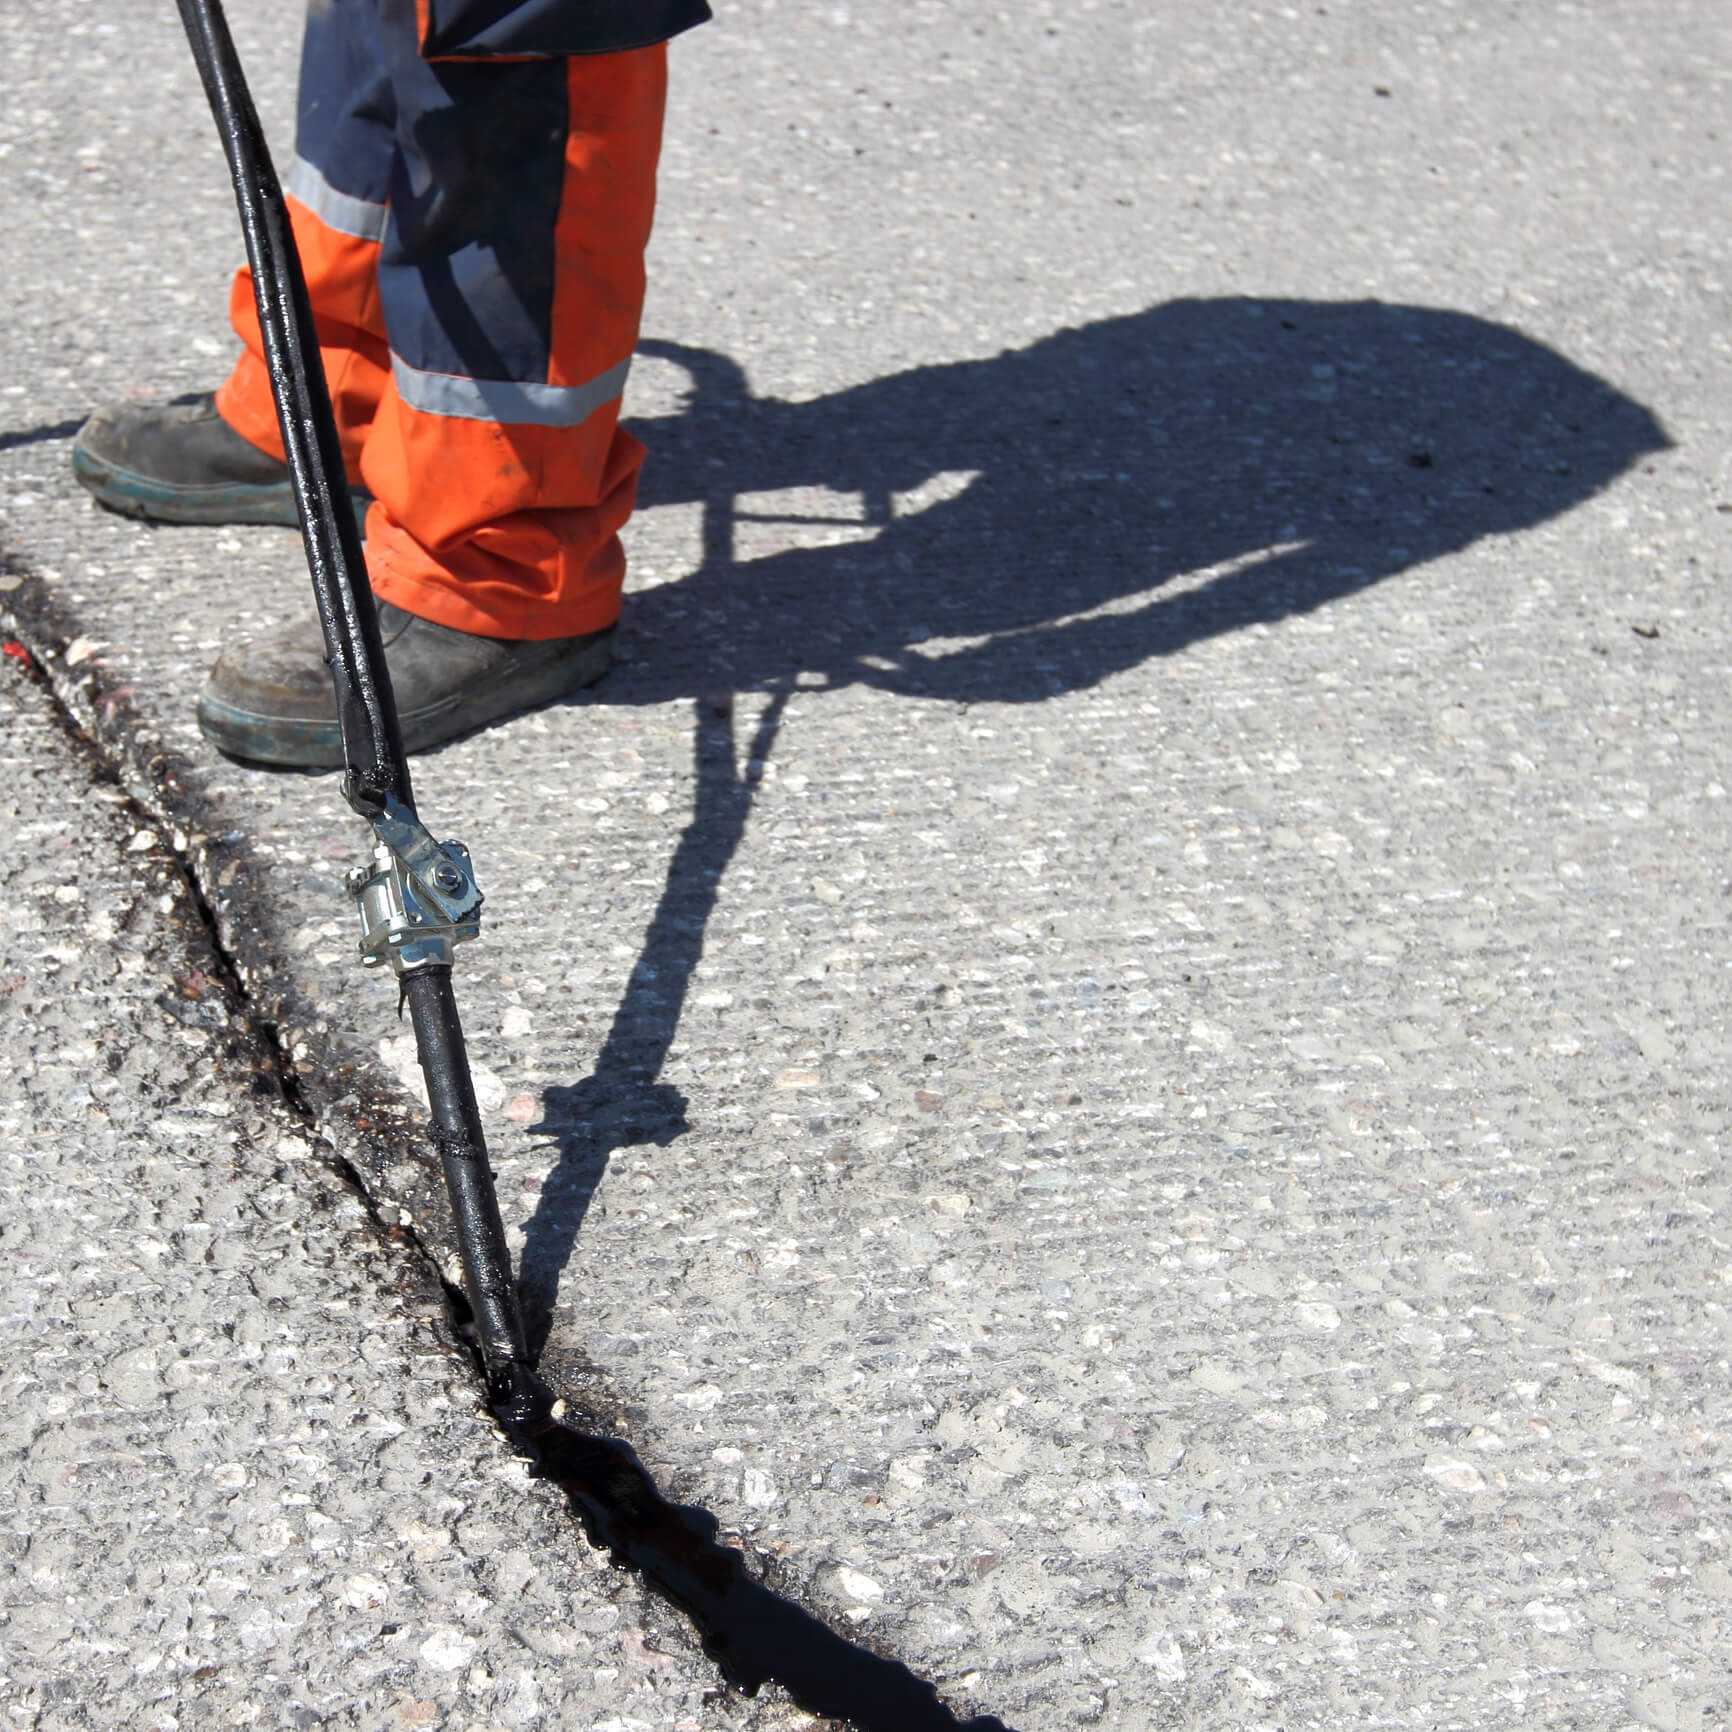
point(505, 402)
point(336, 210)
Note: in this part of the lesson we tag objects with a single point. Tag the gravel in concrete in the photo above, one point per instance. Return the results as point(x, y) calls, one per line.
point(245, 1477)
point(1115, 1029)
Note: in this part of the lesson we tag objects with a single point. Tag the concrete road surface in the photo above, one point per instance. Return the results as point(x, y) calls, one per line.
point(246, 1480)
point(1111, 1040)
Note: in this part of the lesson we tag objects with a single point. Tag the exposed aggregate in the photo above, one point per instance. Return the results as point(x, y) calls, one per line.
point(1115, 1030)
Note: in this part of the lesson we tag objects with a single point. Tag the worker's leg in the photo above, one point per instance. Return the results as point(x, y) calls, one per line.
point(512, 281)
point(205, 459)
point(337, 187)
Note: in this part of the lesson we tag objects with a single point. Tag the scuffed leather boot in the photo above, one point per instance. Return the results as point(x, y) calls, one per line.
point(181, 462)
point(270, 701)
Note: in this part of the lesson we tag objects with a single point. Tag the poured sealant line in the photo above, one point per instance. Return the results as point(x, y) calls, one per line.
point(751, 1632)
point(753, 1635)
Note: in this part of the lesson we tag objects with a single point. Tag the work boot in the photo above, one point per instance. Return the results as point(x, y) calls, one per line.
point(181, 462)
point(270, 701)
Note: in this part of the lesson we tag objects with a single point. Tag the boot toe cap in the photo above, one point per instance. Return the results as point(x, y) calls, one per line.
point(270, 702)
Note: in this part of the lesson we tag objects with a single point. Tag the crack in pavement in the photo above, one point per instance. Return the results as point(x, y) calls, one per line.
point(749, 1621)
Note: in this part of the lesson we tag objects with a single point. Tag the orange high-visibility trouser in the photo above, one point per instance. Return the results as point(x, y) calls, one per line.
point(473, 238)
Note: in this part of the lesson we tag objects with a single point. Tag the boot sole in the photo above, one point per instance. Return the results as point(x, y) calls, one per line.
point(130, 494)
point(295, 742)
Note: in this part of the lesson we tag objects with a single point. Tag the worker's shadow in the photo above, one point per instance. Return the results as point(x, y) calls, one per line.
point(621, 1103)
point(1012, 529)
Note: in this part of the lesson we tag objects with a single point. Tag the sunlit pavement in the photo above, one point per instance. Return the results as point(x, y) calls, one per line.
point(1110, 1039)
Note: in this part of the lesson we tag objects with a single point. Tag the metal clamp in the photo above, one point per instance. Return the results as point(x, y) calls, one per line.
point(419, 897)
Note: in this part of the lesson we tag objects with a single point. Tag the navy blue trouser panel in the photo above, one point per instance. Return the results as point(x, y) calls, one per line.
point(555, 26)
point(470, 159)
point(346, 114)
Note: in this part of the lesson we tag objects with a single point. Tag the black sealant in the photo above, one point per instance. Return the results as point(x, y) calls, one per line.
point(751, 1632)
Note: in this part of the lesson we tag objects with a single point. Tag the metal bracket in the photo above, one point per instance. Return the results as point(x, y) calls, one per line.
point(417, 899)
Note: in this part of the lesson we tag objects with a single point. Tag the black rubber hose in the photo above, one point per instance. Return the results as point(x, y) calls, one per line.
point(366, 711)
point(462, 1146)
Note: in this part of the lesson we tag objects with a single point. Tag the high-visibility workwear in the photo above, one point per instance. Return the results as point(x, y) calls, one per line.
point(473, 230)
point(484, 27)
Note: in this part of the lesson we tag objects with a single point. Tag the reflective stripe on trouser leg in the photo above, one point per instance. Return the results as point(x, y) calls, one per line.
point(337, 185)
point(511, 279)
